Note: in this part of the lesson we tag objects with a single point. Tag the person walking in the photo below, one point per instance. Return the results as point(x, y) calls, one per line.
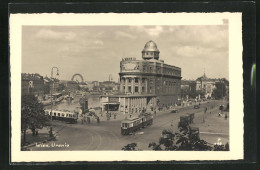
point(172, 123)
point(205, 111)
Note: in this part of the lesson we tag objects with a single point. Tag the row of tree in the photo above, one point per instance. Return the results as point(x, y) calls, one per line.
point(183, 140)
point(32, 115)
point(219, 91)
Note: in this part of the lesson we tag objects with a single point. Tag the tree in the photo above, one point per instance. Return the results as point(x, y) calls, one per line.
point(32, 115)
point(185, 92)
point(130, 147)
point(220, 90)
point(46, 88)
point(182, 140)
point(61, 87)
point(201, 93)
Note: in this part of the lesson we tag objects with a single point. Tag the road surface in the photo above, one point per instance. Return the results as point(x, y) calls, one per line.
point(106, 135)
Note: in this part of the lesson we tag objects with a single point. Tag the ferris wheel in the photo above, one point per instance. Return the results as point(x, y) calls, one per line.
point(77, 76)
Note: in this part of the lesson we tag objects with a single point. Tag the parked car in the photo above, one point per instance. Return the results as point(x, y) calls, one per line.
point(174, 111)
point(196, 106)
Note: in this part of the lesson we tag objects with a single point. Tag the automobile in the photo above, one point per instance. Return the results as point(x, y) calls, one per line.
point(196, 106)
point(184, 121)
point(174, 111)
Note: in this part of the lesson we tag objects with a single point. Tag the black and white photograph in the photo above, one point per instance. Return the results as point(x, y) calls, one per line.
point(131, 84)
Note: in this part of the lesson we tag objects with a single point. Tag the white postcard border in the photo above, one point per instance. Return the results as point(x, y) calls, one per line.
point(235, 80)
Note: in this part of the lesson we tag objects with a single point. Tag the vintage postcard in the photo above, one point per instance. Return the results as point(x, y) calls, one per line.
point(126, 87)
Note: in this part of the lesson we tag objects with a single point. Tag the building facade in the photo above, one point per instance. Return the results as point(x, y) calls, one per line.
point(147, 83)
point(32, 84)
point(204, 85)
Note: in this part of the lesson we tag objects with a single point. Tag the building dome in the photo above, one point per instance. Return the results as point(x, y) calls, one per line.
point(150, 51)
point(150, 46)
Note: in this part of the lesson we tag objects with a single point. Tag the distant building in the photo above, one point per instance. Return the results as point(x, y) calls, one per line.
point(146, 83)
point(109, 86)
point(71, 86)
point(32, 84)
point(95, 83)
point(204, 85)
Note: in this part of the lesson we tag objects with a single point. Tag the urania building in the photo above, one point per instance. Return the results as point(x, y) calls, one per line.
point(147, 84)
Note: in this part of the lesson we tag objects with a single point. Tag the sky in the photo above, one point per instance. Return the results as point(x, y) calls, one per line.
point(95, 52)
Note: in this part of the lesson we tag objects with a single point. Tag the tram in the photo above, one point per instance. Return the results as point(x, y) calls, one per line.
point(66, 116)
point(134, 124)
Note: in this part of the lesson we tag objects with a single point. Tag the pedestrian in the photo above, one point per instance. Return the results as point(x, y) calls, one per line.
point(154, 112)
point(205, 111)
point(219, 114)
point(98, 120)
point(36, 132)
point(225, 116)
point(51, 134)
point(172, 123)
point(115, 116)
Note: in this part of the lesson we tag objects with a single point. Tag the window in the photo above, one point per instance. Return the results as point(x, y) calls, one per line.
point(143, 80)
point(136, 80)
point(146, 53)
point(143, 68)
point(124, 87)
point(129, 89)
point(151, 69)
point(54, 114)
point(129, 80)
point(142, 89)
point(136, 89)
point(62, 114)
point(58, 114)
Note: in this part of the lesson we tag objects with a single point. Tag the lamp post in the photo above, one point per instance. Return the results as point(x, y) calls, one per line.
point(53, 86)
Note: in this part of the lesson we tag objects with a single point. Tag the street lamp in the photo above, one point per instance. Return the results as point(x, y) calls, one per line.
point(53, 86)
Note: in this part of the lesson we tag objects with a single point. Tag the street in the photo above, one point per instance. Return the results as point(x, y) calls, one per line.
point(106, 135)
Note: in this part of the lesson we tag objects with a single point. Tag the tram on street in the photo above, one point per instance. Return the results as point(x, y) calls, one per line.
point(134, 124)
point(66, 116)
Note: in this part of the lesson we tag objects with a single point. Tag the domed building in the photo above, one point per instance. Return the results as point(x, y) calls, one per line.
point(150, 51)
point(145, 84)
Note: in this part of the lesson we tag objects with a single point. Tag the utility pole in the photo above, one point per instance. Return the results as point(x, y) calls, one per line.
point(53, 86)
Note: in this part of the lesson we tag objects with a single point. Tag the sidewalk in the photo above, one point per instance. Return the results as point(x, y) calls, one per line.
point(42, 137)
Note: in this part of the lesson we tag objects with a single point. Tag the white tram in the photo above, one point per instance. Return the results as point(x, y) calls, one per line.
point(64, 115)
